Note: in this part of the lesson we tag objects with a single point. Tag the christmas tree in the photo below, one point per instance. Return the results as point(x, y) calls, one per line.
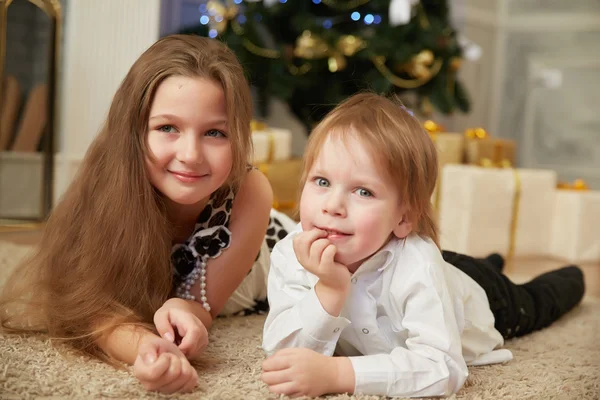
point(312, 54)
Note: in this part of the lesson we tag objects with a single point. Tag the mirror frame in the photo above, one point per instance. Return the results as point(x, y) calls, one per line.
point(53, 9)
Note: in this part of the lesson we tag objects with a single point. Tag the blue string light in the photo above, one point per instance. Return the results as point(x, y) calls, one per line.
point(204, 20)
point(202, 8)
point(316, 1)
point(283, 1)
point(355, 16)
point(219, 18)
point(212, 33)
point(369, 19)
point(237, 1)
point(377, 19)
point(327, 24)
point(258, 17)
point(241, 19)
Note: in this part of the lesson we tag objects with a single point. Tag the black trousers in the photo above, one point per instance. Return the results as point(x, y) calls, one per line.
point(521, 309)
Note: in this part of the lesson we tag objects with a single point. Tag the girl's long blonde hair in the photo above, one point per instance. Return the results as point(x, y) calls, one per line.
point(104, 256)
point(397, 142)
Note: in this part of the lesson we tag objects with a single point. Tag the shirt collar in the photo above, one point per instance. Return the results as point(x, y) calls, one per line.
point(382, 258)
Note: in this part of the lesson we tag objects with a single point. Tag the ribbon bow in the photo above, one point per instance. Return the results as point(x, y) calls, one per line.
point(476, 133)
point(578, 184)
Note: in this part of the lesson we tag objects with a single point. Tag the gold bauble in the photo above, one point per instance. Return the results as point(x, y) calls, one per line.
point(349, 45)
point(310, 46)
point(336, 62)
point(418, 67)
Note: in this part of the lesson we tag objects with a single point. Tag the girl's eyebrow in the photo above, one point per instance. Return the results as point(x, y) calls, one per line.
point(166, 116)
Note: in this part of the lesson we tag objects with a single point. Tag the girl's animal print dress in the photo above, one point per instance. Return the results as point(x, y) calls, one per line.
point(211, 237)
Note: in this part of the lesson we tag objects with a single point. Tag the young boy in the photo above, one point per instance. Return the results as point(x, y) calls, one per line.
point(362, 274)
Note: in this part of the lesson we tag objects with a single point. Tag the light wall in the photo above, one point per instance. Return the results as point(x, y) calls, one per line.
point(101, 41)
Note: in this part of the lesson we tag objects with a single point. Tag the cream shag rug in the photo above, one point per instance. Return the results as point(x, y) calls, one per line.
point(561, 362)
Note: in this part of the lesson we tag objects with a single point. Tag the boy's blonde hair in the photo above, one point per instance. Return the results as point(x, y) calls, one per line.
point(397, 142)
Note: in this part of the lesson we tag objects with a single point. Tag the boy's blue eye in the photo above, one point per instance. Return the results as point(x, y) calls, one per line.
point(215, 133)
point(322, 182)
point(364, 192)
point(167, 128)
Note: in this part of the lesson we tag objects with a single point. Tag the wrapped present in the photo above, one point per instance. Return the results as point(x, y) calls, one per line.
point(575, 236)
point(450, 149)
point(284, 177)
point(479, 145)
point(486, 209)
point(270, 144)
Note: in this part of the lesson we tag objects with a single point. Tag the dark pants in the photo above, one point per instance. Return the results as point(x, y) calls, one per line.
point(521, 309)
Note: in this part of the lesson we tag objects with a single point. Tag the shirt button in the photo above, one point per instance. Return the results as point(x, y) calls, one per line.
point(336, 330)
point(365, 331)
point(353, 280)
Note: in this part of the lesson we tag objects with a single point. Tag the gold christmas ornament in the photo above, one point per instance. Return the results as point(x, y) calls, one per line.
point(419, 65)
point(310, 46)
point(349, 45)
point(220, 14)
point(336, 63)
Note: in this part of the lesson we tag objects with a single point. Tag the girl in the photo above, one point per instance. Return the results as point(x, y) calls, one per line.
point(164, 203)
point(362, 274)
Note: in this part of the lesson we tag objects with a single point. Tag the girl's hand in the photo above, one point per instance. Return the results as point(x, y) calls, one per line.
point(316, 253)
point(182, 328)
point(160, 366)
point(304, 372)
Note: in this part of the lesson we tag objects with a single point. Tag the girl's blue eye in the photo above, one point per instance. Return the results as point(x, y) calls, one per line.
point(167, 129)
point(322, 182)
point(215, 133)
point(364, 193)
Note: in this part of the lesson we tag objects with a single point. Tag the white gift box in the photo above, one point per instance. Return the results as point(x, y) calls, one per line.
point(271, 144)
point(575, 235)
point(477, 206)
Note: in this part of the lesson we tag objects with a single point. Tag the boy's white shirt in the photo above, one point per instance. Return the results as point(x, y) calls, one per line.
point(410, 325)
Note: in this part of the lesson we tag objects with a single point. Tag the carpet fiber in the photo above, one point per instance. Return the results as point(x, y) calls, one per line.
point(561, 362)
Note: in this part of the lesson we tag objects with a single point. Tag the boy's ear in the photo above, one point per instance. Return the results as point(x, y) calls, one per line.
point(404, 227)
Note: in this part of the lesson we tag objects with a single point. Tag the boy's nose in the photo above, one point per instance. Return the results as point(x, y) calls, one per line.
point(335, 204)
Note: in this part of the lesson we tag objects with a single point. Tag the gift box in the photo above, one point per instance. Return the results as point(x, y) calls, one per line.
point(450, 150)
point(504, 210)
point(575, 233)
point(479, 146)
point(270, 144)
point(284, 177)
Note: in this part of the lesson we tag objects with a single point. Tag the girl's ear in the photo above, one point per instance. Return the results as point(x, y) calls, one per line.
point(404, 227)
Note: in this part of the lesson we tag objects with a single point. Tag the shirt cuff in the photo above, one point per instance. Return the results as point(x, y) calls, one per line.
point(318, 323)
point(372, 374)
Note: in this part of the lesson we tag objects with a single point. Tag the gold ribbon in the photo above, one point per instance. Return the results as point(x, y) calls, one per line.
point(506, 164)
point(577, 185)
point(379, 62)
